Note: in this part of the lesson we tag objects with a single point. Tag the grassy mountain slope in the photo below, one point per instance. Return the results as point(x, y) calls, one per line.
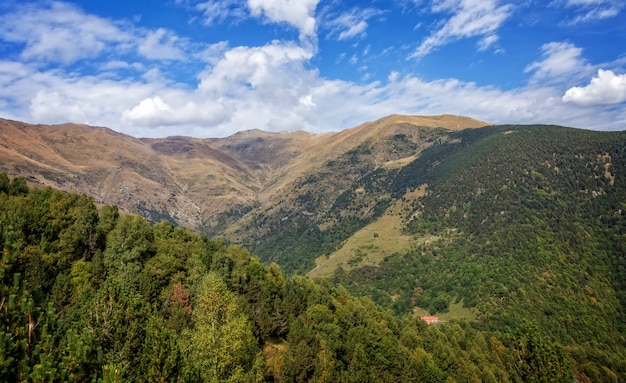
point(324, 206)
point(531, 222)
point(255, 188)
point(111, 167)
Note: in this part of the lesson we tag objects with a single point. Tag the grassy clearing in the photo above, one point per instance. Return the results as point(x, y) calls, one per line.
point(455, 311)
point(397, 164)
point(368, 246)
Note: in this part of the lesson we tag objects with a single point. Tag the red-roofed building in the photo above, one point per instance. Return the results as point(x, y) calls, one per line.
point(429, 320)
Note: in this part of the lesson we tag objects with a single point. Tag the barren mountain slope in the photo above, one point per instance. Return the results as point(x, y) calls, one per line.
point(212, 183)
point(229, 174)
point(329, 146)
point(113, 168)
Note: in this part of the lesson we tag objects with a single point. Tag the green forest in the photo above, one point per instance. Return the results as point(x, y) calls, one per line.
point(92, 295)
point(530, 223)
point(531, 228)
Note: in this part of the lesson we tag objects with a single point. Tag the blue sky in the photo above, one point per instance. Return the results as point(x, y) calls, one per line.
point(210, 68)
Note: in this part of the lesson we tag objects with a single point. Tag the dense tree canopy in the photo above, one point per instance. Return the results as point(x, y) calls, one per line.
point(95, 295)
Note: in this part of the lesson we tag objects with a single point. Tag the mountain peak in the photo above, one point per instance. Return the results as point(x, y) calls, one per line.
point(448, 121)
point(192, 180)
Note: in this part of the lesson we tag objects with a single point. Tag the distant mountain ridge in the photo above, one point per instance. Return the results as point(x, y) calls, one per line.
point(198, 183)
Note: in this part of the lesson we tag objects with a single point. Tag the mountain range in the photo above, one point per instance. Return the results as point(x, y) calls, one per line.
point(219, 186)
point(498, 225)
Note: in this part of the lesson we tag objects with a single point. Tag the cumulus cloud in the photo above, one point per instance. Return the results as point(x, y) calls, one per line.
point(413, 95)
point(161, 44)
point(49, 105)
point(273, 86)
point(268, 70)
point(470, 18)
point(155, 111)
point(55, 98)
point(298, 13)
point(270, 88)
point(265, 87)
point(59, 32)
point(605, 89)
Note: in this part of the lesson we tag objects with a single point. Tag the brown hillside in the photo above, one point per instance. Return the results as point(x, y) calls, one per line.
point(329, 146)
point(196, 182)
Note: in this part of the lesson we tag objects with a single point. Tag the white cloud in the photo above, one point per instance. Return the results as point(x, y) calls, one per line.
point(271, 88)
point(271, 69)
point(86, 100)
point(148, 110)
point(156, 112)
point(59, 32)
point(264, 87)
point(470, 18)
point(413, 95)
point(49, 105)
point(487, 42)
point(119, 64)
point(558, 59)
point(52, 96)
point(354, 30)
point(596, 14)
point(590, 10)
point(349, 25)
point(307, 101)
point(605, 89)
point(298, 13)
point(276, 87)
point(161, 44)
point(212, 53)
point(217, 11)
point(587, 2)
point(12, 71)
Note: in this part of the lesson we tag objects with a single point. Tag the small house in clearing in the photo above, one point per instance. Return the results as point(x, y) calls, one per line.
point(430, 320)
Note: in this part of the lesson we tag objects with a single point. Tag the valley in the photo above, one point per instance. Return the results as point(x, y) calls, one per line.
point(516, 231)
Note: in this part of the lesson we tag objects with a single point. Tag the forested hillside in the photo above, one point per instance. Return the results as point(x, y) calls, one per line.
point(514, 235)
point(527, 222)
point(92, 295)
point(326, 206)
